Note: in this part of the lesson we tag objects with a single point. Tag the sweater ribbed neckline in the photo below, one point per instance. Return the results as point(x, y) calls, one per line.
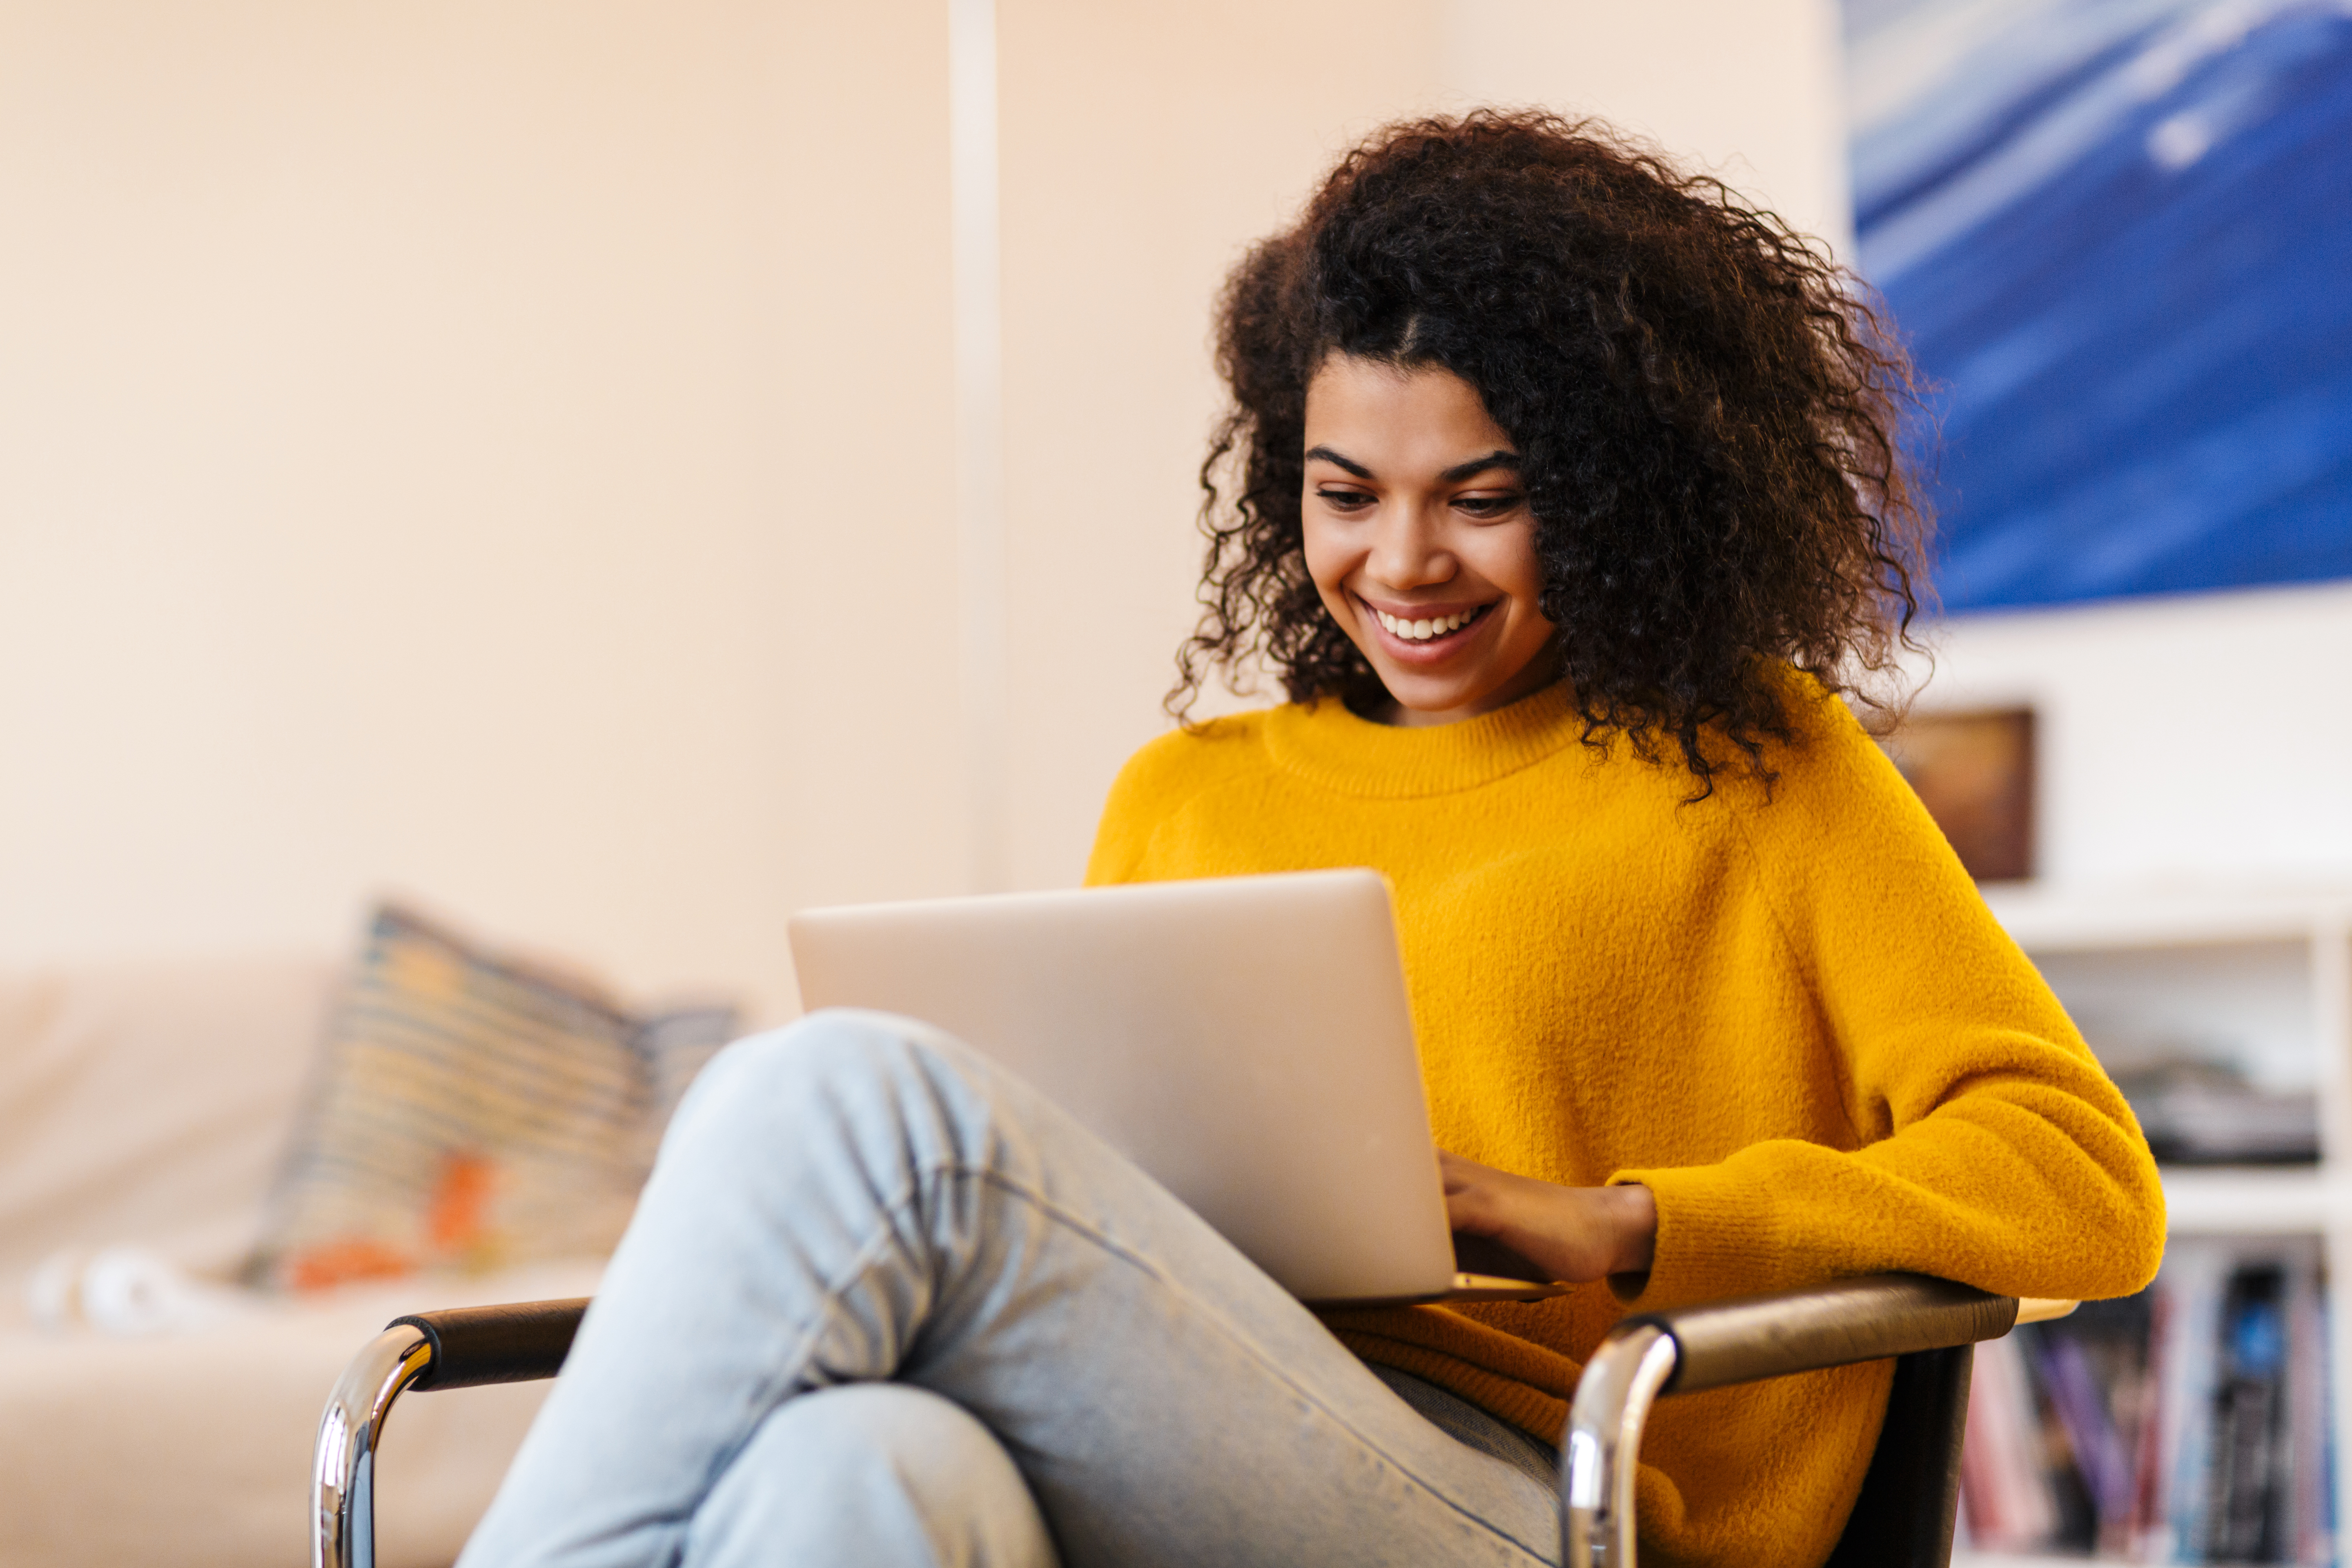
point(1336, 749)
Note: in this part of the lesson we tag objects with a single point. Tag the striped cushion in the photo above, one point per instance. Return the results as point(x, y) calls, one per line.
point(470, 1111)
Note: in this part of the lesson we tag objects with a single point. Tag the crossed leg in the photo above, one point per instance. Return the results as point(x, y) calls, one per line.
point(856, 1221)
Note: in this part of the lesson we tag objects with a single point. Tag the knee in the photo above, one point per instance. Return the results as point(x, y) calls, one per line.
point(861, 1064)
point(840, 1048)
point(861, 1434)
point(901, 1473)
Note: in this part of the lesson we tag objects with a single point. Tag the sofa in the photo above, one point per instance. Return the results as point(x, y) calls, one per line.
point(148, 1106)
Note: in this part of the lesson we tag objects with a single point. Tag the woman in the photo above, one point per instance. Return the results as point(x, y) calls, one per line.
point(1567, 504)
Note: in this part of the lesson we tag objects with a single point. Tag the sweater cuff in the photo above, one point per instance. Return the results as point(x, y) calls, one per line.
point(1717, 1236)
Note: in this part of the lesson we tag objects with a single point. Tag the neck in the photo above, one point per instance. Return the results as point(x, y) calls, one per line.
point(1533, 676)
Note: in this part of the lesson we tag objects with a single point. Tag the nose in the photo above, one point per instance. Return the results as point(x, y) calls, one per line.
point(1407, 551)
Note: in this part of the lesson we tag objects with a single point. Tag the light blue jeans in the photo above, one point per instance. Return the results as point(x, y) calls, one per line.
point(882, 1303)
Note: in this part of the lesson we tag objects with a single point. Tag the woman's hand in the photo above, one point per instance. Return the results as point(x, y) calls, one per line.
point(1573, 1234)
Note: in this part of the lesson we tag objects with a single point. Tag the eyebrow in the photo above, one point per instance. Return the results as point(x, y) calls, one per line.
point(1333, 457)
point(1497, 458)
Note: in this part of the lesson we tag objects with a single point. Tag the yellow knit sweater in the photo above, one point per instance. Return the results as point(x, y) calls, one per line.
point(1788, 1014)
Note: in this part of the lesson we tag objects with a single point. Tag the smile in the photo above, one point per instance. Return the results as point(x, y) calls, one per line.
point(1427, 629)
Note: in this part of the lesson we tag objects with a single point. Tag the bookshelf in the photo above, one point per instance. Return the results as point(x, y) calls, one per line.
point(2259, 980)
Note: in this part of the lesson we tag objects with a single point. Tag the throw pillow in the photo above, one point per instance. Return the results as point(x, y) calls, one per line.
point(471, 1111)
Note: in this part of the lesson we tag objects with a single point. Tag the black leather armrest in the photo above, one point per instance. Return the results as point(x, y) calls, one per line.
point(1720, 1343)
point(518, 1343)
point(1867, 1318)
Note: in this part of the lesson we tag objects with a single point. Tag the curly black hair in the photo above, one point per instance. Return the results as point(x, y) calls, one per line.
point(1706, 413)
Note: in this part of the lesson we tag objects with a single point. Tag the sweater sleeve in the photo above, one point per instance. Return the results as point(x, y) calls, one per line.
point(1150, 785)
point(1990, 1146)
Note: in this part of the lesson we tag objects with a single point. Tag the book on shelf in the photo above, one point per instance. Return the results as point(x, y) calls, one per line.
point(2188, 1424)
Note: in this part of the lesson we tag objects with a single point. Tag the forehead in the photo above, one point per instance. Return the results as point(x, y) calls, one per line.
point(1392, 420)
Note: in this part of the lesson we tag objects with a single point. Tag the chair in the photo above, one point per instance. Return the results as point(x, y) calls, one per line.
point(1903, 1518)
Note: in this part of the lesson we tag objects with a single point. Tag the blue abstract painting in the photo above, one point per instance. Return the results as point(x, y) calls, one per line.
point(2117, 235)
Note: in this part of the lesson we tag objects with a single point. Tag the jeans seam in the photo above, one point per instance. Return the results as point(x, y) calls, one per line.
point(1073, 1222)
point(766, 1399)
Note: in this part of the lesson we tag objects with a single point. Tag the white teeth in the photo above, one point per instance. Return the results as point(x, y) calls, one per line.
point(1423, 630)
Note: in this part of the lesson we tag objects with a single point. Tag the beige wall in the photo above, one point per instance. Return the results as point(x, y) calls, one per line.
point(498, 451)
point(1144, 148)
point(2195, 741)
point(1745, 90)
point(504, 451)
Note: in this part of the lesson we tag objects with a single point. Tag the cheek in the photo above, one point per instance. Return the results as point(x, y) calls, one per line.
point(1517, 569)
point(1327, 561)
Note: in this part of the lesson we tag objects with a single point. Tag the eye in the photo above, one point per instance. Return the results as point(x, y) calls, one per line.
point(1343, 498)
point(1490, 506)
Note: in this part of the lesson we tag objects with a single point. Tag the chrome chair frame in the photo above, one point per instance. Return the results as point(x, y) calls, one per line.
point(343, 1524)
point(1924, 1323)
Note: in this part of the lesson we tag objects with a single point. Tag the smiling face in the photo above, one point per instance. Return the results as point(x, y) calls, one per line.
point(1420, 539)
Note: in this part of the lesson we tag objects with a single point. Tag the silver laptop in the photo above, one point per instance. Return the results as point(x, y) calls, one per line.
point(1244, 1040)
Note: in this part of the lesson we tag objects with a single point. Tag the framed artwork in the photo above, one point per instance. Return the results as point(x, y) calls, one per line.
point(2117, 235)
point(1974, 773)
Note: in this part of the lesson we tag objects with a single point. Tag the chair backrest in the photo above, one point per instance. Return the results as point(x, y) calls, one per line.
point(1911, 1493)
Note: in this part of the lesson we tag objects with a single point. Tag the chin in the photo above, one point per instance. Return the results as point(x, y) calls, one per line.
point(1421, 698)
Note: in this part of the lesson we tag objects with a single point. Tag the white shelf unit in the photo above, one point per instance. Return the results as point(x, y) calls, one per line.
point(2266, 976)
